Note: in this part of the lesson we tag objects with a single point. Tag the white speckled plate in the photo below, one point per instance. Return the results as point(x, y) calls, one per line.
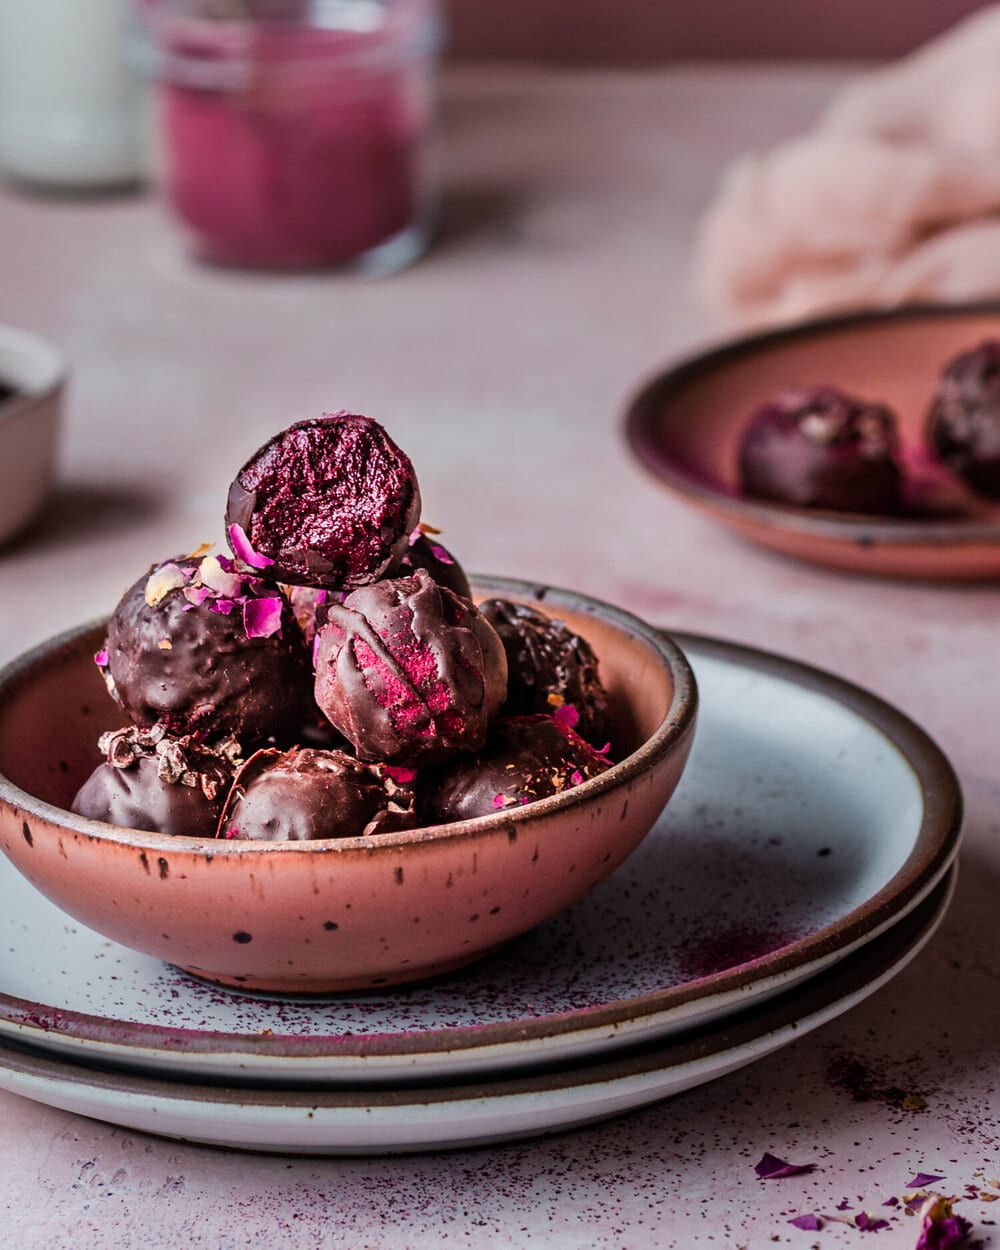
point(812, 817)
point(385, 1120)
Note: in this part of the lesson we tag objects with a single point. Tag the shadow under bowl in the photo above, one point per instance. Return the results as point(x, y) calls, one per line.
point(351, 913)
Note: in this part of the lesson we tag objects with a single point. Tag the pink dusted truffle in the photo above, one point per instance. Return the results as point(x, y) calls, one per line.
point(409, 672)
point(330, 502)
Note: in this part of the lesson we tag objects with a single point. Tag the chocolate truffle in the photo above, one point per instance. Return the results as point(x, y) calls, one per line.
point(409, 672)
point(820, 448)
point(154, 782)
point(549, 669)
point(425, 552)
point(330, 502)
point(963, 425)
point(525, 758)
point(203, 648)
point(304, 794)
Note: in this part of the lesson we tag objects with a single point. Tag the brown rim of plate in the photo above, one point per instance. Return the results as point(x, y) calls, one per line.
point(863, 529)
point(933, 852)
point(802, 1008)
point(676, 724)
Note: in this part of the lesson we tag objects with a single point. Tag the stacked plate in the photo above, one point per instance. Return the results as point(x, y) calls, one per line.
point(804, 860)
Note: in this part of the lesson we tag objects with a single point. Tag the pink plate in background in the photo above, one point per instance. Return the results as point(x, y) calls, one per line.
point(685, 426)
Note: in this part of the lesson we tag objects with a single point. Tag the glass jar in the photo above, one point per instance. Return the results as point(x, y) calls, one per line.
point(295, 133)
point(71, 113)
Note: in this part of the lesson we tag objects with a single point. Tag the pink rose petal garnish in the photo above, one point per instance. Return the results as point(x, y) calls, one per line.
point(870, 1223)
point(262, 617)
point(891, 1202)
point(566, 714)
point(770, 1168)
point(576, 777)
point(439, 553)
point(241, 545)
point(941, 1228)
point(196, 595)
point(922, 1180)
point(222, 606)
point(811, 1223)
point(101, 658)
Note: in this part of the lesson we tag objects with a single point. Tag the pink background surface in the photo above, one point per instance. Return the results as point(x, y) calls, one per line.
point(502, 363)
point(637, 31)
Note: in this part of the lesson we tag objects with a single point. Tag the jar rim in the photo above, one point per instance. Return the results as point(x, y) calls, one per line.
point(332, 38)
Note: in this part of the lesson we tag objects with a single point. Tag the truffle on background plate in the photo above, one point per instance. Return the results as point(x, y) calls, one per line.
point(963, 424)
point(821, 448)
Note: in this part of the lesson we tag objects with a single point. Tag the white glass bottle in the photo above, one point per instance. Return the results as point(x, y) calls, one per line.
point(71, 112)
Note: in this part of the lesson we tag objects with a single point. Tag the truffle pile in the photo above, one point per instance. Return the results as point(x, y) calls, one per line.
point(822, 448)
point(332, 677)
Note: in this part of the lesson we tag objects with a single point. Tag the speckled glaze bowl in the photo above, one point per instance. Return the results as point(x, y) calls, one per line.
point(341, 914)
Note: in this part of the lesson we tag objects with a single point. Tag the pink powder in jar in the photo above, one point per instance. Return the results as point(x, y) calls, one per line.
point(297, 142)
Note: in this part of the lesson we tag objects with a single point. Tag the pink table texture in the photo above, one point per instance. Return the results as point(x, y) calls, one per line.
point(502, 363)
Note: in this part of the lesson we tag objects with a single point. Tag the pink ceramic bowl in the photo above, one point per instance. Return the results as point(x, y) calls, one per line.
point(339, 914)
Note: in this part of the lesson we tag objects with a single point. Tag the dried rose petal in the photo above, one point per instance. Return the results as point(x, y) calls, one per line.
point(870, 1223)
point(770, 1168)
point(941, 1228)
point(101, 658)
point(811, 1223)
point(922, 1180)
point(567, 715)
point(215, 578)
point(244, 551)
point(163, 580)
point(262, 617)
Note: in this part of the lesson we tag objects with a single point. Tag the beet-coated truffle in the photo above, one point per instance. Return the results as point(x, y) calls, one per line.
point(304, 794)
point(154, 782)
point(409, 672)
point(329, 502)
point(203, 648)
point(963, 425)
point(820, 448)
point(427, 553)
point(549, 669)
point(525, 758)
